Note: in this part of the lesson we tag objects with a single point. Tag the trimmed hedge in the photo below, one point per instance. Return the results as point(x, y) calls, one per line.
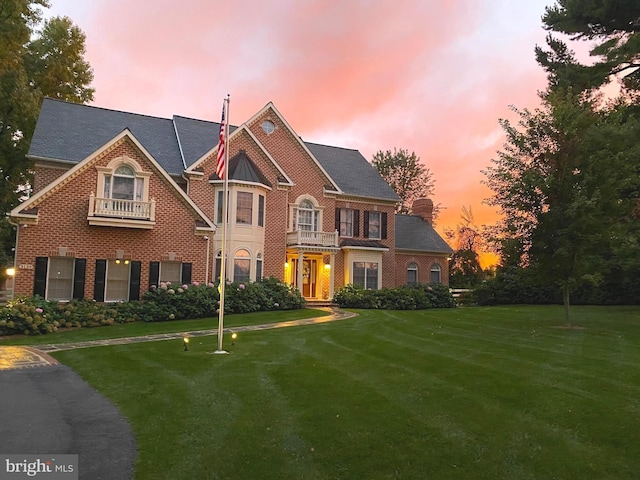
point(36, 316)
point(418, 297)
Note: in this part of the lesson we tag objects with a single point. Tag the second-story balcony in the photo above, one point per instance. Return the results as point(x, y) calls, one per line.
point(316, 239)
point(115, 212)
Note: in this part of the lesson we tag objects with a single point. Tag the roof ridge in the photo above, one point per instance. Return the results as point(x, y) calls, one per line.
point(107, 109)
point(331, 146)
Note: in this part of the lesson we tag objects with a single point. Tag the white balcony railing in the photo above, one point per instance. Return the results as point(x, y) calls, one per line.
point(127, 209)
point(305, 237)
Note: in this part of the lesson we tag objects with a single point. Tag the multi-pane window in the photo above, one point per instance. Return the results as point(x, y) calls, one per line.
point(123, 185)
point(435, 273)
point(365, 274)
point(374, 225)
point(412, 274)
point(261, 210)
point(307, 218)
point(241, 266)
point(117, 281)
point(171, 272)
point(346, 222)
point(60, 278)
point(244, 208)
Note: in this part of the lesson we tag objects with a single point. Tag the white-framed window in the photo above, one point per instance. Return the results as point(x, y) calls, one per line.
point(412, 274)
point(307, 216)
point(60, 278)
point(365, 274)
point(244, 208)
point(171, 272)
point(346, 222)
point(435, 273)
point(261, 210)
point(123, 190)
point(117, 281)
point(241, 266)
point(374, 225)
point(258, 267)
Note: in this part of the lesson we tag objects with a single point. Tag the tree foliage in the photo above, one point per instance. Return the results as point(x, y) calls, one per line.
point(33, 64)
point(465, 270)
point(567, 184)
point(408, 177)
point(612, 27)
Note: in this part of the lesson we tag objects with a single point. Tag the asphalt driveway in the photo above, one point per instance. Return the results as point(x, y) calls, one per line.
point(51, 410)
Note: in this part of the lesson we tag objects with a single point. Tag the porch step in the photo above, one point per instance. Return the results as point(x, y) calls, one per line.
point(321, 303)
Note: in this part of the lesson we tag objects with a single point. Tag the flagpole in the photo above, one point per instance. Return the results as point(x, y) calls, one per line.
point(225, 225)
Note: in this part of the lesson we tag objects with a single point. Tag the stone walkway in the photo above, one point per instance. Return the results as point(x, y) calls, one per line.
point(17, 357)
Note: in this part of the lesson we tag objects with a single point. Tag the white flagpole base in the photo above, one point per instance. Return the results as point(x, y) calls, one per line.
point(220, 352)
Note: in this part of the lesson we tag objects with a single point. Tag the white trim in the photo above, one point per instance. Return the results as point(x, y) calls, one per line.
point(126, 133)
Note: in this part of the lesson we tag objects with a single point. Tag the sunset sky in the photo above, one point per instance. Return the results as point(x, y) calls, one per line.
point(430, 76)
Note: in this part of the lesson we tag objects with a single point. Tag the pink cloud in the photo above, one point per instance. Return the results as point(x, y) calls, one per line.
point(431, 77)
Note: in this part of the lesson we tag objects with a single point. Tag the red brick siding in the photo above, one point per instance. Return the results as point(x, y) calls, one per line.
point(62, 222)
point(44, 175)
point(424, 263)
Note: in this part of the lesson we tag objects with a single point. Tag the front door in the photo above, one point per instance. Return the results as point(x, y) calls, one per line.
point(309, 278)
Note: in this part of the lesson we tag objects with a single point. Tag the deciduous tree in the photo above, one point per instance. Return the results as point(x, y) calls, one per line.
point(408, 177)
point(32, 64)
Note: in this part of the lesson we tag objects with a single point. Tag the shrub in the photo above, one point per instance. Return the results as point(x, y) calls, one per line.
point(418, 297)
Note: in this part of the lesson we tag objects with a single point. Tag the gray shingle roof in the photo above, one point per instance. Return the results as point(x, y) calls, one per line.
point(351, 172)
point(413, 233)
point(242, 168)
point(72, 132)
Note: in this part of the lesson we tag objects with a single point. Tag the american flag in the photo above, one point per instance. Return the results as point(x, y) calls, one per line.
point(221, 147)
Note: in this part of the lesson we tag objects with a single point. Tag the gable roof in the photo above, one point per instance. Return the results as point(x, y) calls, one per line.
point(26, 207)
point(413, 233)
point(70, 132)
point(351, 171)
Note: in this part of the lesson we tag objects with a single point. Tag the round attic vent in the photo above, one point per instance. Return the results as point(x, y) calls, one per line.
point(268, 127)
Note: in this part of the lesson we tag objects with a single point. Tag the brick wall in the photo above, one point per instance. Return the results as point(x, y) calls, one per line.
point(424, 262)
point(62, 222)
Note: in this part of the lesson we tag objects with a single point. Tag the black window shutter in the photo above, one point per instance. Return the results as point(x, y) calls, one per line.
point(356, 223)
point(383, 220)
point(79, 269)
point(338, 219)
point(40, 277)
point(366, 224)
point(154, 274)
point(134, 280)
point(99, 281)
point(186, 273)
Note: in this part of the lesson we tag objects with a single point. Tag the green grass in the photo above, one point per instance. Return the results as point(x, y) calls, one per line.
point(138, 329)
point(468, 393)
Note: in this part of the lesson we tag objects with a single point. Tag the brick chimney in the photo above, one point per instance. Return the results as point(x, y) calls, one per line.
point(423, 207)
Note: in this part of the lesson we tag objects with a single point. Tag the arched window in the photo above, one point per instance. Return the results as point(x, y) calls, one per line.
point(307, 216)
point(241, 266)
point(412, 274)
point(123, 184)
point(435, 273)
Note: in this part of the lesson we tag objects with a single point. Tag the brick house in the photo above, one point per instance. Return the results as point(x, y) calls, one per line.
point(123, 201)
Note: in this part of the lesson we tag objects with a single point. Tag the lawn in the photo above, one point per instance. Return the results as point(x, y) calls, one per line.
point(467, 393)
point(138, 329)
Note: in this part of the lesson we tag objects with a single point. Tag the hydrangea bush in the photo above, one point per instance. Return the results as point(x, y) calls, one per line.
point(164, 302)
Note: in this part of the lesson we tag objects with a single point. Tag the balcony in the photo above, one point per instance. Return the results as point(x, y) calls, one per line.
point(316, 239)
point(111, 212)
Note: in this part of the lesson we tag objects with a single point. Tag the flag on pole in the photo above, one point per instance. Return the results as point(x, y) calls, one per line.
point(221, 148)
